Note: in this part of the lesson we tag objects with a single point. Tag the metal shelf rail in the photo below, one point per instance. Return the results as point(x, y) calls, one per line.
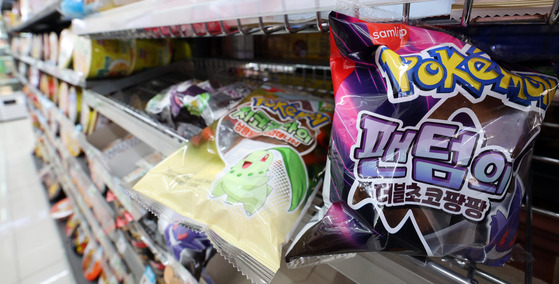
point(149, 21)
point(102, 86)
point(70, 76)
point(151, 132)
point(211, 18)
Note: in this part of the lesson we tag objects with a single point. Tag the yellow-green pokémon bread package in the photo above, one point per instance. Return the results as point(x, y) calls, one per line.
point(246, 178)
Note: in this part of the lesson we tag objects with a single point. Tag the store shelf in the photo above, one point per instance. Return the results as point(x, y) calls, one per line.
point(102, 86)
point(105, 239)
point(112, 182)
point(179, 18)
point(74, 260)
point(46, 16)
point(152, 133)
point(9, 81)
point(109, 250)
point(130, 256)
point(174, 18)
point(80, 209)
point(95, 230)
point(68, 75)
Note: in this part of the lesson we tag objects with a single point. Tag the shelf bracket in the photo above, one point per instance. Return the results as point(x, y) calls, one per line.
point(406, 13)
point(466, 13)
point(322, 27)
point(553, 13)
point(288, 26)
point(267, 30)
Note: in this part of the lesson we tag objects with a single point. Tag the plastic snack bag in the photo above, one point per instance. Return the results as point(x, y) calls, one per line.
point(245, 179)
point(199, 104)
point(190, 106)
point(188, 99)
point(430, 147)
point(192, 249)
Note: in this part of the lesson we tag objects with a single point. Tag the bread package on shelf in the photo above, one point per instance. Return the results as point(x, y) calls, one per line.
point(245, 179)
point(431, 146)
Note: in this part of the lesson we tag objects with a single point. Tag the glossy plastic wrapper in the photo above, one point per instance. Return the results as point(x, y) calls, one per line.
point(190, 106)
point(246, 178)
point(192, 249)
point(430, 150)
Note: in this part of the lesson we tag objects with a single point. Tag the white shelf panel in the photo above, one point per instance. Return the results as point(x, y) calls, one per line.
point(111, 181)
point(152, 133)
point(67, 75)
point(389, 268)
point(152, 13)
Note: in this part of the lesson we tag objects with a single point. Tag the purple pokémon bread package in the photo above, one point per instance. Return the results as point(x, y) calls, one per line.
point(430, 150)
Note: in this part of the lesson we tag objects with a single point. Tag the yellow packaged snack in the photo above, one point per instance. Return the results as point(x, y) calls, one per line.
point(150, 53)
point(96, 58)
point(244, 180)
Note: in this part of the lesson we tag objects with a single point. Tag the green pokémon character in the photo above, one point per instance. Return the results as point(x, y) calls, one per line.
point(247, 181)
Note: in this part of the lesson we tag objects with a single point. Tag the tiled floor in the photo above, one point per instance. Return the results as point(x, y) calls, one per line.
point(30, 247)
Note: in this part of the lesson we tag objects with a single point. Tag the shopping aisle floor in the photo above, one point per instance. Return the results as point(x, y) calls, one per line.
point(31, 250)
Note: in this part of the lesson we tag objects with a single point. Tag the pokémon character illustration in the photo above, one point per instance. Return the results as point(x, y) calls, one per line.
point(247, 181)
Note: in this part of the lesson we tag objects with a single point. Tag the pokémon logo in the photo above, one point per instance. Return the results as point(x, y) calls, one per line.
point(438, 72)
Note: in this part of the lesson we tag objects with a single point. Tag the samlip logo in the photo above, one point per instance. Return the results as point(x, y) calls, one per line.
point(393, 36)
point(395, 32)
